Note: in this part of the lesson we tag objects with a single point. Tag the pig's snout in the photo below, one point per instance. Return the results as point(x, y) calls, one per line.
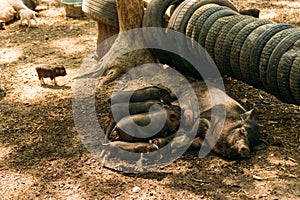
point(244, 151)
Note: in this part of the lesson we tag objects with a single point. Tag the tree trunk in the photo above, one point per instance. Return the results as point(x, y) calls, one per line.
point(104, 32)
point(130, 15)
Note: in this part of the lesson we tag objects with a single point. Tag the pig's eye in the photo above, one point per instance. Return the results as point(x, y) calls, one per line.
point(243, 132)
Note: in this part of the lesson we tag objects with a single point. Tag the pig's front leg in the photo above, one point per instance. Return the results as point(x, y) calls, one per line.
point(42, 81)
point(54, 81)
point(161, 142)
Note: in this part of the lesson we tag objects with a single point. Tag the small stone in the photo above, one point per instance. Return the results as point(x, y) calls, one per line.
point(257, 178)
point(136, 189)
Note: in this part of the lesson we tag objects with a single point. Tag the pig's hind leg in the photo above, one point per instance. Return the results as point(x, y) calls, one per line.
point(54, 81)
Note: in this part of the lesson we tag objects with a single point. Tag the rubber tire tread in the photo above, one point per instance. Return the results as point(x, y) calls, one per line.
point(192, 21)
point(220, 40)
point(238, 43)
point(283, 46)
point(181, 16)
point(210, 21)
point(213, 33)
point(210, 9)
point(295, 80)
point(228, 41)
point(178, 14)
point(202, 19)
point(103, 11)
point(246, 52)
point(186, 9)
point(283, 76)
point(195, 23)
point(266, 53)
point(256, 52)
point(156, 9)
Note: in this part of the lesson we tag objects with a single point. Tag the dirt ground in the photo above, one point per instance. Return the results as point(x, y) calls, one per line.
point(42, 156)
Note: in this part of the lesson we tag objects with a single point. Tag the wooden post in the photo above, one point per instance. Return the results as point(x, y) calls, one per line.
point(130, 15)
point(104, 32)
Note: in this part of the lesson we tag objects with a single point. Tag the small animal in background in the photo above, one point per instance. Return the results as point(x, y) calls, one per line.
point(2, 25)
point(50, 71)
point(27, 14)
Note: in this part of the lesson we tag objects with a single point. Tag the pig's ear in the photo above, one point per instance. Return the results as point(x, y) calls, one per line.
point(163, 92)
point(262, 144)
point(249, 115)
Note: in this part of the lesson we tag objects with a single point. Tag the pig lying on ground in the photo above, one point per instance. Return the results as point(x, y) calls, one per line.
point(235, 139)
point(27, 14)
point(50, 71)
point(7, 12)
point(240, 133)
point(144, 94)
point(142, 126)
point(141, 100)
point(121, 110)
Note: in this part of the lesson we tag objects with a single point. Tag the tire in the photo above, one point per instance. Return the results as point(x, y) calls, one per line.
point(185, 10)
point(266, 53)
point(196, 22)
point(295, 80)
point(153, 17)
point(103, 11)
point(220, 40)
point(193, 20)
point(227, 44)
point(178, 22)
point(213, 33)
point(284, 45)
point(202, 19)
point(156, 9)
point(246, 51)
point(210, 21)
point(256, 51)
point(283, 76)
point(237, 46)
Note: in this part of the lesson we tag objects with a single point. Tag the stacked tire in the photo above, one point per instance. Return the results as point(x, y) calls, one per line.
point(102, 11)
point(258, 52)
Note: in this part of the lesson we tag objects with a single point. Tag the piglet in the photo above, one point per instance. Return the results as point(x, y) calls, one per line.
point(50, 71)
point(27, 14)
